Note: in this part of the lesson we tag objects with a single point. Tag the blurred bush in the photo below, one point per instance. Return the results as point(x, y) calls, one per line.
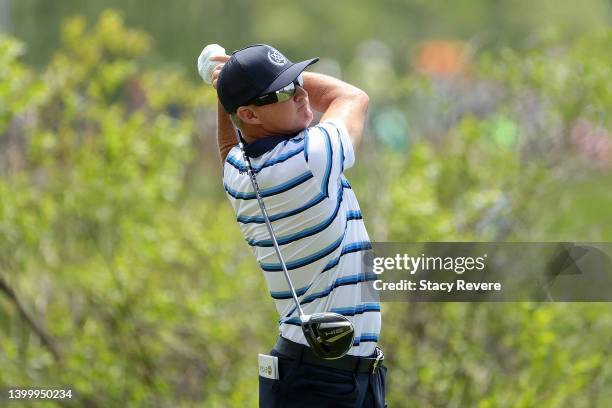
point(110, 262)
point(514, 147)
point(123, 275)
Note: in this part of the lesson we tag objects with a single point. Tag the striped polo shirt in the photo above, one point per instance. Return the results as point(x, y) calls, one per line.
point(318, 225)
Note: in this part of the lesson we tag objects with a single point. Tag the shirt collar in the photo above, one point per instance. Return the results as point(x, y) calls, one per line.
point(261, 146)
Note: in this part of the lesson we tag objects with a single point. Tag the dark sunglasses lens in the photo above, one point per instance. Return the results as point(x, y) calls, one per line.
point(282, 95)
point(286, 93)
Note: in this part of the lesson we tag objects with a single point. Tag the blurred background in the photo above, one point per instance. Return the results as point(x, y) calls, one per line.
point(124, 276)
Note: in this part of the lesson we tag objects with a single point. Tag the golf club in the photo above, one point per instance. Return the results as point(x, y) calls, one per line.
point(330, 335)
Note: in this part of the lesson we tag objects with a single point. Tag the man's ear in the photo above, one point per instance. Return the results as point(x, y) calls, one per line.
point(248, 116)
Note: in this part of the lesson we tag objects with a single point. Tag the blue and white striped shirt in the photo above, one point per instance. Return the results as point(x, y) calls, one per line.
point(318, 225)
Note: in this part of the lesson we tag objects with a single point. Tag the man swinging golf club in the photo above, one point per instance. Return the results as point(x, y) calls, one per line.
point(297, 211)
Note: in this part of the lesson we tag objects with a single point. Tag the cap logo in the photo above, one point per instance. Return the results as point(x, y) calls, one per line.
point(276, 57)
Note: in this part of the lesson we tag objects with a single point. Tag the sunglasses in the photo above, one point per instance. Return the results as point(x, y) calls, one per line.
point(282, 95)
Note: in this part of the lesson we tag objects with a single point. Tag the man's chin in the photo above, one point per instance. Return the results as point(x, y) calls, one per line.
point(309, 116)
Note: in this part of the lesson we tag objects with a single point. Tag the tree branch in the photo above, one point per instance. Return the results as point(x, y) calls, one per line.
point(42, 335)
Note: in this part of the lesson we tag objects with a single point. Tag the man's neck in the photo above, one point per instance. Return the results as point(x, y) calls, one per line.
point(250, 138)
point(250, 133)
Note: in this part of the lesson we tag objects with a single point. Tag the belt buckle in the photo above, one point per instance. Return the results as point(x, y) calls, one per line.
point(380, 356)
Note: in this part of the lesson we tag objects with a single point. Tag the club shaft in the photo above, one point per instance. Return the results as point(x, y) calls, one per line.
point(262, 206)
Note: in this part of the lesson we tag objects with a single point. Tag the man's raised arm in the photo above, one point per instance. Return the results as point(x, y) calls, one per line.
point(226, 134)
point(338, 100)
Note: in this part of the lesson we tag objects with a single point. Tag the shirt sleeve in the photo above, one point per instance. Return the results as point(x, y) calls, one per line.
point(328, 151)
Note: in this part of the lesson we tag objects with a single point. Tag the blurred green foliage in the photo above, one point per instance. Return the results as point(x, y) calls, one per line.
point(123, 275)
point(99, 241)
point(317, 27)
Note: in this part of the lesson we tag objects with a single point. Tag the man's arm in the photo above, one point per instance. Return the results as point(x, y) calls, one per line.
point(226, 134)
point(338, 100)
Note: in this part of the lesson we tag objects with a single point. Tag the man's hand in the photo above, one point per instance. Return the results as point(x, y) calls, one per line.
point(215, 74)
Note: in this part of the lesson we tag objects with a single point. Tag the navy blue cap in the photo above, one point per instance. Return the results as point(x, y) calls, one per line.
point(255, 71)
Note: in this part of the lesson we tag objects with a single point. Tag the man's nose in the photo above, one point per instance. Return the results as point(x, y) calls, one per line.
point(300, 93)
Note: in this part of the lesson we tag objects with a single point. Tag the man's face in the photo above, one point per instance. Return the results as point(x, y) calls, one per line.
point(286, 117)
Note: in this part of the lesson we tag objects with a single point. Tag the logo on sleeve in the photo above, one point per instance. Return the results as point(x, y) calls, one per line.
point(276, 57)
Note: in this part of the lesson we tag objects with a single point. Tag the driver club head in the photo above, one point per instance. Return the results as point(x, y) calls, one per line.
point(330, 335)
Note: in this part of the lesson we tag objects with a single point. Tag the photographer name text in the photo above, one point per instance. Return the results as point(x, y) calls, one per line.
point(430, 286)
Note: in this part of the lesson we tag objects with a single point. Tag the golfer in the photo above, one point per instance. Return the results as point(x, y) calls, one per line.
point(314, 213)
